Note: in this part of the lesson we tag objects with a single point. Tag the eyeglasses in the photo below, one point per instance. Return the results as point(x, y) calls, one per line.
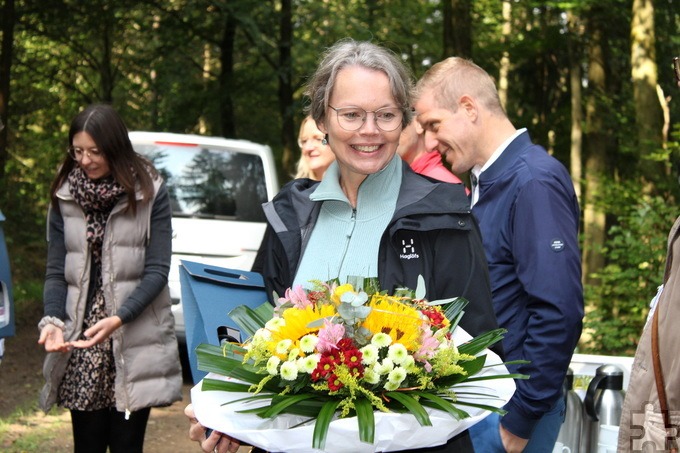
point(352, 118)
point(77, 153)
point(312, 141)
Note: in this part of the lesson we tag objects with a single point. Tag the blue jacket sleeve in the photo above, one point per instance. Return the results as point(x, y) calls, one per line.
point(545, 220)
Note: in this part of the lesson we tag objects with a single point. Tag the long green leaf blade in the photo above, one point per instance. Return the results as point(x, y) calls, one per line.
point(444, 405)
point(365, 419)
point(322, 424)
point(413, 406)
point(282, 402)
point(250, 320)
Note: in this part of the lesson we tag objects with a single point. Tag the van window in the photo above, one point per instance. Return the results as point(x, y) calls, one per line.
point(210, 183)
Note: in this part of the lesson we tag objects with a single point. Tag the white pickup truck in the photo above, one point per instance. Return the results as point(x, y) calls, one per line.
point(217, 187)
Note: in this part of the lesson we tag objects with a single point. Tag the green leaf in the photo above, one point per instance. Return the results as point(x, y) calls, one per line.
point(224, 386)
point(442, 404)
point(413, 406)
point(211, 358)
point(481, 342)
point(454, 311)
point(420, 288)
point(471, 368)
point(281, 403)
point(323, 421)
point(250, 320)
point(366, 420)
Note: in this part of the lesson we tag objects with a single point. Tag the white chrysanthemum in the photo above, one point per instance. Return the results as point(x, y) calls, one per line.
point(308, 343)
point(273, 365)
point(384, 367)
point(275, 324)
point(289, 371)
point(371, 376)
point(397, 375)
point(294, 354)
point(262, 335)
point(369, 354)
point(408, 362)
point(283, 346)
point(308, 364)
point(390, 386)
point(381, 340)
point(398, 353)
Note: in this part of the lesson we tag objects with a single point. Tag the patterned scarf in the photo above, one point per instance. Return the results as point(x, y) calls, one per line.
point(97, 199)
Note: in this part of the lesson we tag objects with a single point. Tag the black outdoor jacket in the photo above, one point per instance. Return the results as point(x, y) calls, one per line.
point(432, 233)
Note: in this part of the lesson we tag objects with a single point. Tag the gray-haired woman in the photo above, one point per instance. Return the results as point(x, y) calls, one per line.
point(401, 225)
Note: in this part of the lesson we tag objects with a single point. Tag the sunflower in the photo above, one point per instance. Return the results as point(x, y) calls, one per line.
point(400, 321)
point(297, 322)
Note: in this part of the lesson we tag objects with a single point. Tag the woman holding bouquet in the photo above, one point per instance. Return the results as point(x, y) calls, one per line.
point(107, 305)
point(371, 215)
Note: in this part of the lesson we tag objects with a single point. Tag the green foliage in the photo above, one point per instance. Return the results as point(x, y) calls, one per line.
point(635, 251)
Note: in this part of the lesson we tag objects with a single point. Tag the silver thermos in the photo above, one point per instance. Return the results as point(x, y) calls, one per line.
point(570, 432)
point(603, 404)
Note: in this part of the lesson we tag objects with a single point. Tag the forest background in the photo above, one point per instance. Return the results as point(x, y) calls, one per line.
point(591, 79)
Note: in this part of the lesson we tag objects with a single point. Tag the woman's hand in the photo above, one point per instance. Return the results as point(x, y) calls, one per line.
point(53, 338)
point(99, 332)
point(216, 442)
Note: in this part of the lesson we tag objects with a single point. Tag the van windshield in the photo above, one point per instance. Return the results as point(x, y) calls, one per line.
point(210, 182)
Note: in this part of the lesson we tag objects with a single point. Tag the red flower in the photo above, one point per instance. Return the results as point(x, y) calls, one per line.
point(325, 367)
point(334, 383)
point(353, 358)
point(435, 316)
point(346, 344)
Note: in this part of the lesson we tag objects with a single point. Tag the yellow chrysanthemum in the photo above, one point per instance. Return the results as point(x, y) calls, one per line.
point(400, 321)
point(297, 324)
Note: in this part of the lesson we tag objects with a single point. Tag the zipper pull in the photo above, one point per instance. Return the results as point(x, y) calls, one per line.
point(127, 414)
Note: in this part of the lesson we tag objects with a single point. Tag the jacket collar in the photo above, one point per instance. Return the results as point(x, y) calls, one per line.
point(507, 157)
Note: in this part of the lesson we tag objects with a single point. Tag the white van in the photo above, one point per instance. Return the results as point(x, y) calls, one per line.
point(217, 187)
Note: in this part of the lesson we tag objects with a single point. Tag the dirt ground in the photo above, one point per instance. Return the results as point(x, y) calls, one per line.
point(20, 383)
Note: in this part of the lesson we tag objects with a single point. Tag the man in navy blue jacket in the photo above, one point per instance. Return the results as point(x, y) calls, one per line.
point(528, 213)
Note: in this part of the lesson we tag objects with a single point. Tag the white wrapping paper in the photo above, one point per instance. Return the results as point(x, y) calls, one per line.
point(393, 431)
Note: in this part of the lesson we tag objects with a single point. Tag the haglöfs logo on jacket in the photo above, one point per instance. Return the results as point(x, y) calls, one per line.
point(408, 250)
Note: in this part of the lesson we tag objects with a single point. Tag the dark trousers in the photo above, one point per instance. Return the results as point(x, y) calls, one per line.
point(95, 431)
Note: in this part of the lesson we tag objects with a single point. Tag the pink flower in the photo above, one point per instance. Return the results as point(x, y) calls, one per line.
point(428, 347)
point(329, 336)
point(297, 296)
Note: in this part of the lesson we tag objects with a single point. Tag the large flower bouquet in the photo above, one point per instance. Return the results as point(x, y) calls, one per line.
point(338, 351)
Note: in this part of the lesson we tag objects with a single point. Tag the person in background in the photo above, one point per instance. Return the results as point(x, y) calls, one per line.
point(525, 204)
point(107, 326)
point(404, 225)
point(412, 150)
point(315, 154)
point(650, 417)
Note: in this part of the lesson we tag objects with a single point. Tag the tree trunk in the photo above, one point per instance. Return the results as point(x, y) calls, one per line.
point(576, 163)
point(594, 220)
point(7, 25)
point(226, 76)
point(648, 113)
point(457, 28)
point(505, 59)
point(285, 75)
